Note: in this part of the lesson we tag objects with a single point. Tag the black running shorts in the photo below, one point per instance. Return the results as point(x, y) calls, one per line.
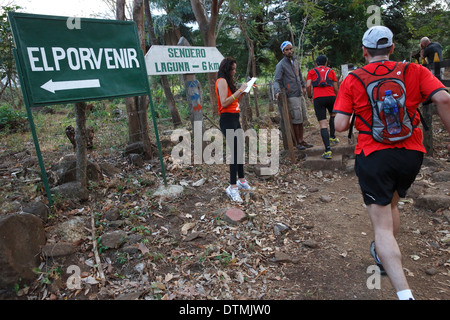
point(385, 171)
point(321, 105)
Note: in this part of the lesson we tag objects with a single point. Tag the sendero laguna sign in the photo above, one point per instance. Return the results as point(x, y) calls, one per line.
point(61, 61)
point(182, 60)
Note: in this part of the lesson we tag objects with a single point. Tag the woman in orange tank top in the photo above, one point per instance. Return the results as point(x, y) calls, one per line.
point(228, 102)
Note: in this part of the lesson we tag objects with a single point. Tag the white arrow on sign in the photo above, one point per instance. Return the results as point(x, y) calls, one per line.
point(53, 86)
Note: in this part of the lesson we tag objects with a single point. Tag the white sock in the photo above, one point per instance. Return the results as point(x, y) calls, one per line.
point(405, 295)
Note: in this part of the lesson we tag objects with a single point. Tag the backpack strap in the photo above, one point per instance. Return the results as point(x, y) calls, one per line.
point(354, 74)
point(316, 82)
point(352, 123)
point(422, 120)
point(319, 80)
point(327, 79)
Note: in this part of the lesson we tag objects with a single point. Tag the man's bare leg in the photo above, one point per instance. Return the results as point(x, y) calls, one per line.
point(385, 222)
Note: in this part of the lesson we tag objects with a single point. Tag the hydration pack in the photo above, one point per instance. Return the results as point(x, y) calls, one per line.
point(322, 81)
point(376, 84)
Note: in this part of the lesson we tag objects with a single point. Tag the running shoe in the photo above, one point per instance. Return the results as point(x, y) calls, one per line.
point(233, 193)
point(375, 256)
point(334, 141)
point(243, 185)
point(327, 155)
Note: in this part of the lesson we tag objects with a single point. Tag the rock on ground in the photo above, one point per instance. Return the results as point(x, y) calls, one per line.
point(21, 238)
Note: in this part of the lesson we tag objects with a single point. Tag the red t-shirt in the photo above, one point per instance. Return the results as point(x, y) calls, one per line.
point(420, 85)
point(322, 91)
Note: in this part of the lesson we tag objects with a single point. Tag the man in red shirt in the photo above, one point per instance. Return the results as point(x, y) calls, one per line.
point(386, 171)
point(323, 82)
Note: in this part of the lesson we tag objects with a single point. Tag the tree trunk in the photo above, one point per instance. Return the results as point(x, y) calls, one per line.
point(171, 104)
point(207, 27)
point(137, 106)
point(176, 118)
point(143, 101)
point(255, 89)
point(80, 140)
point(134, 134)
point(251, 64)
point(130, 102)
point(120, 9)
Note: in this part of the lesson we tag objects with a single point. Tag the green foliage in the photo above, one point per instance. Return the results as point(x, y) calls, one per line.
point(11, 120)
point(335, 27)
point(330, 27)
point(177, 16)
point(431, 19)
point(6, 43)
point(46, 277)
point(100, 246)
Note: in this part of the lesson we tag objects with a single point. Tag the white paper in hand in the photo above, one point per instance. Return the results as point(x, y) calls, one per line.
point(250, 84)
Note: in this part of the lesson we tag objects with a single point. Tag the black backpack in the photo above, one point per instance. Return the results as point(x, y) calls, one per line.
point(322, 81)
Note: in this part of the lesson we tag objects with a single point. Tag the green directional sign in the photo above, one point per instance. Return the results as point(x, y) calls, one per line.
point(64, 59)
point(67, 60)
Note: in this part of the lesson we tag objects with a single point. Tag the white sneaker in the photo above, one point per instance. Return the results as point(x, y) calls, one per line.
point(233, 193)
point(243, 185)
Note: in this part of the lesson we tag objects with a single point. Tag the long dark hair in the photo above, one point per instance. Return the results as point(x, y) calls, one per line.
point(225, 72)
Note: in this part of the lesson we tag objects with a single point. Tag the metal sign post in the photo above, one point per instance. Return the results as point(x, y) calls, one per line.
point(60, 61)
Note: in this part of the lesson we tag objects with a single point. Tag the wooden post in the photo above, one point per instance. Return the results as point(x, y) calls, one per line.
point(244, 105)
point(193, 94)
point(427, 113)
point(287, 124)
point(271, 97)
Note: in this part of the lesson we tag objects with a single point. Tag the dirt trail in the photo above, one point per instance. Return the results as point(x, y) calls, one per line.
point(182, 248)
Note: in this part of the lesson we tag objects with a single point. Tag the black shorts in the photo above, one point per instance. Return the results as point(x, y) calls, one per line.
point(385, 171)
point(321, 105)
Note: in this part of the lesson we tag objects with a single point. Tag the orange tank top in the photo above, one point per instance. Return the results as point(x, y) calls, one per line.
point(232, 108)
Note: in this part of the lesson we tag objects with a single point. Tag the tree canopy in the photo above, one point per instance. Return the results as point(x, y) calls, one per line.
point(330, 27)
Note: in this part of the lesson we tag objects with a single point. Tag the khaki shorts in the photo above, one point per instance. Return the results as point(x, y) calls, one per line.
point(298, 109)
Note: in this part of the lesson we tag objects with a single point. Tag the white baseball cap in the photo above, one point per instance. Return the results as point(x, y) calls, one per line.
point(376, 33)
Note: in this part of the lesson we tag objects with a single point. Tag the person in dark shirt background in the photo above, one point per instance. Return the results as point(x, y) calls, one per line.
point(429, 50)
